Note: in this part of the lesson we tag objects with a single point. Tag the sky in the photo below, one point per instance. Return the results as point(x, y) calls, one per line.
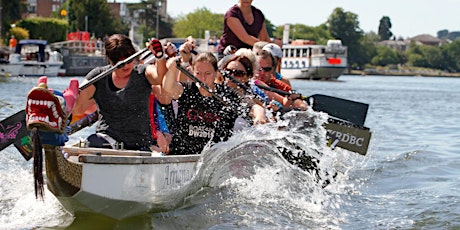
point(408, 17)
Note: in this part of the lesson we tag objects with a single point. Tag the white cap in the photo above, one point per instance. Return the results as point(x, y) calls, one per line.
point(274, 50)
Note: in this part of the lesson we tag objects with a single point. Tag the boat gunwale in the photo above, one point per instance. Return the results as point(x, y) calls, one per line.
point(113, 156)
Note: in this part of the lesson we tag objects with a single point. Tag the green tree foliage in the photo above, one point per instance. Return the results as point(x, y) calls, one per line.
point(319, 34)
point(100, 20)
point(197, 22)
point(385, 56)
point(147, 19)
point(368, 47)
point(385, 28)
point(19, 33)
point(50, 29)
point(270, 28)
point(11, 13)
point(426, 56)
point(451, 53)
point(345, 26)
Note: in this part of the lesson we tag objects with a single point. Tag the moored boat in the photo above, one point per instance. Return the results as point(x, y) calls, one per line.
point(315, 62)
point(32, 58)
point(81, 56)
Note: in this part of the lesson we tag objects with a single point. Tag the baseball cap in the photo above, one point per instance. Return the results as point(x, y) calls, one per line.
point(274, 50)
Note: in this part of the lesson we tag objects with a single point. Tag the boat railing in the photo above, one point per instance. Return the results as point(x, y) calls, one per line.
point(92, 47)
point(336, 50)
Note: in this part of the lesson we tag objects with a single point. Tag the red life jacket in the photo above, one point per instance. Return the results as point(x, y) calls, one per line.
point(278, 84)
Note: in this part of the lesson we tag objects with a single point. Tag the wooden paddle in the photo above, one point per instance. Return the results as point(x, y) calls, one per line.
point(13, 129)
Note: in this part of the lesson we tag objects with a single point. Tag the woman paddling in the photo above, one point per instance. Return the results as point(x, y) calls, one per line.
point(122, 98)
point(206, 113)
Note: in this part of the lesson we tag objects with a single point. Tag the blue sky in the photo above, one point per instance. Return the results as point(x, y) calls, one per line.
point(408, 17)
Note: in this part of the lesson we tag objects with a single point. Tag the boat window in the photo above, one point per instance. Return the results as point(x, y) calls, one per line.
point(297, 53)
point(304, 52)
point(291, 52)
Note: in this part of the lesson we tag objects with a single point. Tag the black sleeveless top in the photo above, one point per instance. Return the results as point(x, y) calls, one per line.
point(123, 113)
point(203, 119)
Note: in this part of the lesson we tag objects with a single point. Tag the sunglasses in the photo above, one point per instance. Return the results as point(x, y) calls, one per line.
point(266, 69)
point(236, 73)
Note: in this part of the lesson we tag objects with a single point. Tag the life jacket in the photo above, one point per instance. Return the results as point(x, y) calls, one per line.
point(278, 84)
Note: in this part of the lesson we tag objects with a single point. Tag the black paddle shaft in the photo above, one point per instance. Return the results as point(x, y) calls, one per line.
point(119, 65)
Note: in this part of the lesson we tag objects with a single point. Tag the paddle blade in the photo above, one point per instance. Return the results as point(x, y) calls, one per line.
point(24, 146)
point(348, 137)
point(13, 130)
point(352, 111)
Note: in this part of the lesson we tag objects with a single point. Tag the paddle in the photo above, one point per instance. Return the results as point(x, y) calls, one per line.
point(13, 129)
point(352, 111)
point(340, 133)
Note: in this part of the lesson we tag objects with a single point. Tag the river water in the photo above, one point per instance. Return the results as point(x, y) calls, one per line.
point(410, 178)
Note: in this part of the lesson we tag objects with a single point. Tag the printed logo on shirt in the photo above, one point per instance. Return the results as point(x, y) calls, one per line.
point(195, 115)
point(200, 131)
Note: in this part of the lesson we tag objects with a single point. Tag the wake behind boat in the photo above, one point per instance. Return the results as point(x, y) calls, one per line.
point(304, 60)
point(32, 58)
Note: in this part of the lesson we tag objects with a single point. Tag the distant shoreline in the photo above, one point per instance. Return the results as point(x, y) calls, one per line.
point(414, 73)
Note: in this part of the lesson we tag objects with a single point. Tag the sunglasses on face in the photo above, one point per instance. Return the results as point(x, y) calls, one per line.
point(236, 73)
point(266, 69)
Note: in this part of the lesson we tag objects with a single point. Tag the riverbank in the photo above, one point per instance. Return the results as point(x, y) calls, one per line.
point(402, 71)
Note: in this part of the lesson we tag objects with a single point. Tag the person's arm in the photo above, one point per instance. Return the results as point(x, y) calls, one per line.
point(263, 34)
point(185, 51)
point(284, 101)
point(155, 73)
point(170, 84)
point(258, 114)
point(237, 28)
point(160, 94)
point(85, 100)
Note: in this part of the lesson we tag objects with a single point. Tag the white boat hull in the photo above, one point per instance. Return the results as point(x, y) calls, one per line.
point(313, 73)
point(33, 58)
point(314, 62)
point(133, 182)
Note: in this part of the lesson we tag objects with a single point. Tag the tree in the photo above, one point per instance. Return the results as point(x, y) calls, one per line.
point(384, 29)
point(270, 28)
point(368, 49)
point(96, 15)
point(426, 56)
point(11, 12)
point(50, 29)
point(197, 22)
point(345, 26)
point(319, 34)
point(451, 53)
point(385, 56)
